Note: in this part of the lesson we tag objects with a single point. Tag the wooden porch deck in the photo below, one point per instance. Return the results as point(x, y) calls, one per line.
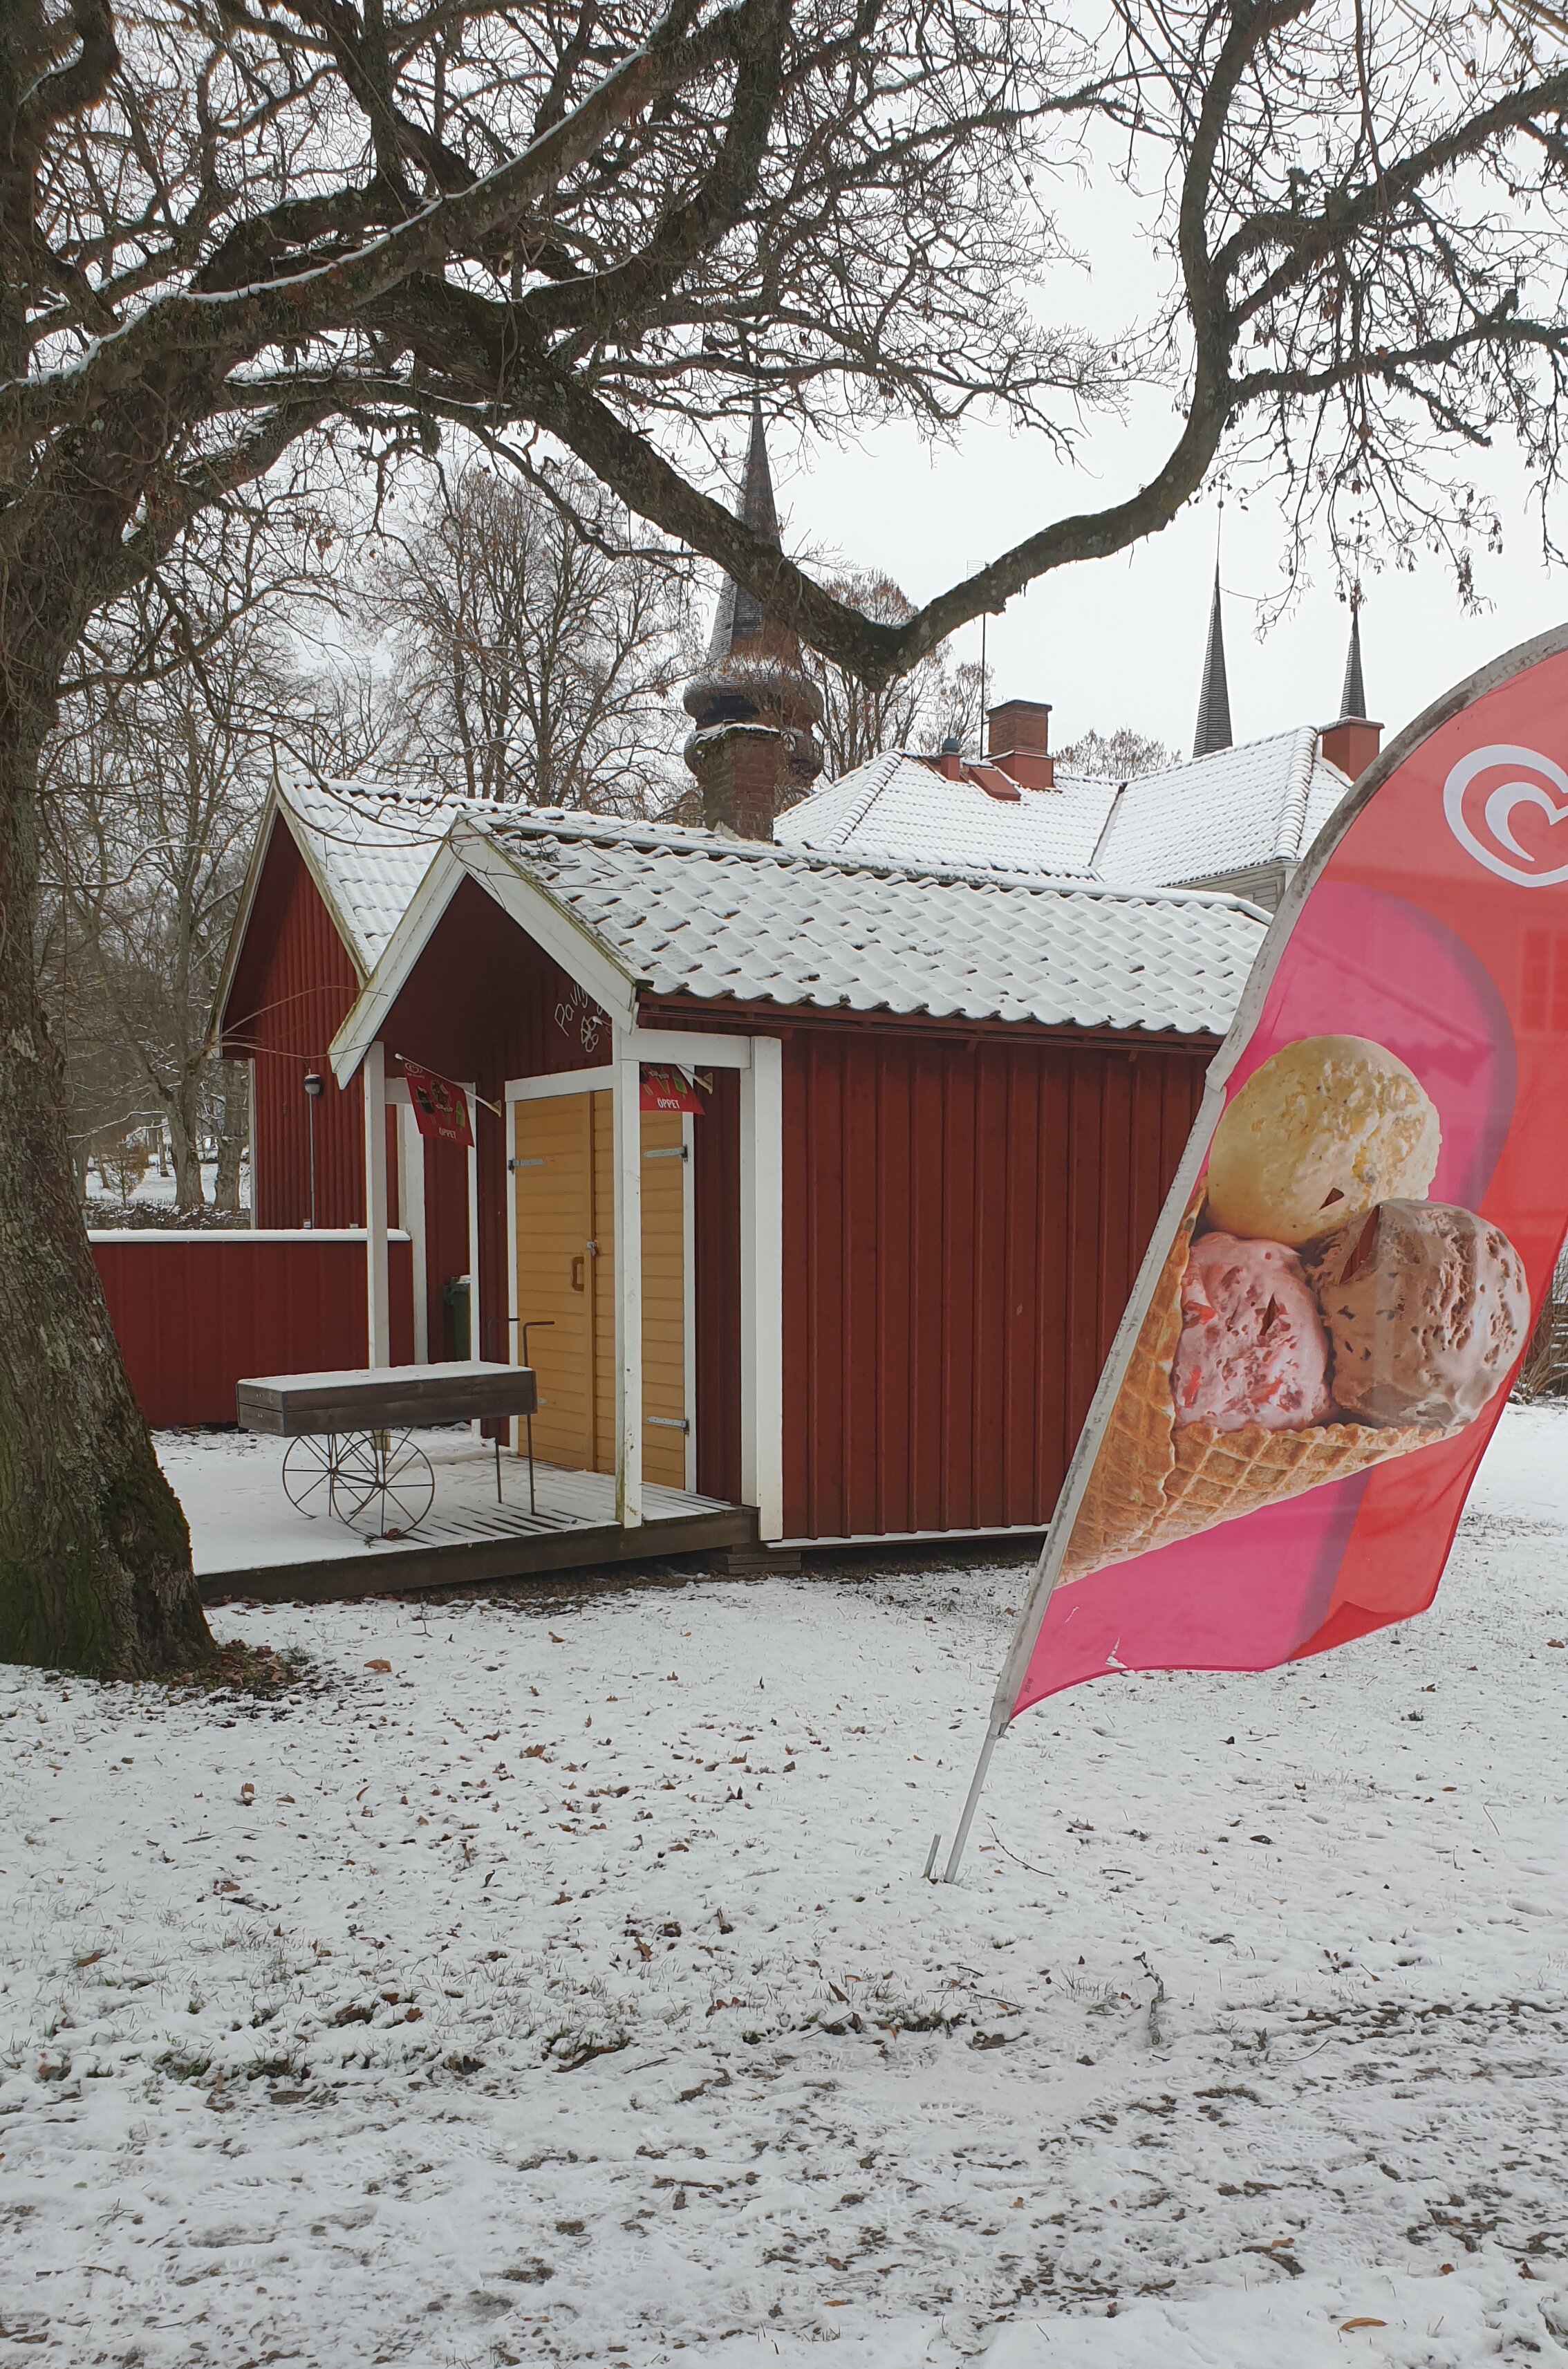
point(250, 1542)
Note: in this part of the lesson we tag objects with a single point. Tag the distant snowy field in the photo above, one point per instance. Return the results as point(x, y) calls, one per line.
point(568, 1990)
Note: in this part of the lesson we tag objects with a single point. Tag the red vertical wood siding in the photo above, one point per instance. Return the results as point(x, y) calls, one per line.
point(715, 1235)
point(194, 1314)
point(962, 1227)
point(293, 984)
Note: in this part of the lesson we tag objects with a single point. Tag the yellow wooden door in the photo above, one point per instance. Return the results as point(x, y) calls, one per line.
point(564, 1214)
point(664, 1300)
point(554, 1203)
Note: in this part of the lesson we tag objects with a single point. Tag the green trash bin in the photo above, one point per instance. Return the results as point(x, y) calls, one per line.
point(455, 1292)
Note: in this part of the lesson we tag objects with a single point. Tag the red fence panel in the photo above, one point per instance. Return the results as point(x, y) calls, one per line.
point(194, 1311)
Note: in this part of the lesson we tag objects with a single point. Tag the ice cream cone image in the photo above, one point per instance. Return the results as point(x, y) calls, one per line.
point(1315, 1314)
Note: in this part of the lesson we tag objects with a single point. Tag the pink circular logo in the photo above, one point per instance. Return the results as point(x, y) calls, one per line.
point(1505, 806)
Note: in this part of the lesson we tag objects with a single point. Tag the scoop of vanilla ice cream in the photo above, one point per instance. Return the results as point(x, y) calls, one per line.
point(1326, 1128)
point(1427, 1308)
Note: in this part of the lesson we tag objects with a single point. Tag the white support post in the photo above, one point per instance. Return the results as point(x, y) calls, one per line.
point(476, 1327)
point(512, 1350)
point(411, 1217)
point(626, 1102)
point(251, 1136)
point(761, 1284)
point(689, 1290)
point(372, 1076)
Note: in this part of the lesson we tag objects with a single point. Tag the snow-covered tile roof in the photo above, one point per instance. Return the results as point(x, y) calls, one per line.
point(1225, 813)
point(690, 913)
point(369, 849)
point(898, 807)
point(1259, 804)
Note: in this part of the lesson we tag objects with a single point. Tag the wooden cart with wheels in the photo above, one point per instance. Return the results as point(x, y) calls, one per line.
point(351, 1452)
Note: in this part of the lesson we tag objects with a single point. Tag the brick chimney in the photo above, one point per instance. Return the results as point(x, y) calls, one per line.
point(1018, 742)
point(1351, 744)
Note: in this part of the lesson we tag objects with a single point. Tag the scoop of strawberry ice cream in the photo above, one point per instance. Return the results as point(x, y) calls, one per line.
point(1253, 1348)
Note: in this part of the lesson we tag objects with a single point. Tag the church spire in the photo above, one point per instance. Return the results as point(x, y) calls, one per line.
point(1214, 700)
point(754, 750)
point(740, 625)
point(1353, 698)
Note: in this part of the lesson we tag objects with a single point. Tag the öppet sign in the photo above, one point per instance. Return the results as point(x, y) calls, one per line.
point(1364, 1222)
point(441, 1109)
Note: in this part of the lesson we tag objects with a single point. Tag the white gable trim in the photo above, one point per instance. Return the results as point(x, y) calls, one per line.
point(469, 853)
point(362, 1024)
point(241, 922)
point(580, 951)
point(278, 810)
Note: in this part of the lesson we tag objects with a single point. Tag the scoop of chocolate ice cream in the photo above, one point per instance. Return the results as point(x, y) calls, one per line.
point(1427, 1308)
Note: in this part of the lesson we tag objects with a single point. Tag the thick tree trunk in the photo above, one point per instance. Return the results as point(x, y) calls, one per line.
point(95, 1555)
point(233, 1136)
point(186, 1144)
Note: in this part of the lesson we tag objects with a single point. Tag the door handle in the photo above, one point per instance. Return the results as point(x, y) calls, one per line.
point(578, 1274)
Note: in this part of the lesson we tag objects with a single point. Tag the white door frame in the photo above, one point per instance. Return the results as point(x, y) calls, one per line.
point(689, 1288)
point(378, 1307)
point(760, 1060)
point(411, 1206)
point(761, 1284)
point(625, 1103)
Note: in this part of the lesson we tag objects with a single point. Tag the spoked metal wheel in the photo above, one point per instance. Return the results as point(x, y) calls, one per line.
point(308, 1468)
point(380, 1483)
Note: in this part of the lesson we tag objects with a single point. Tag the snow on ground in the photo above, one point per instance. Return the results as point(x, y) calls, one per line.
point(560, 1984)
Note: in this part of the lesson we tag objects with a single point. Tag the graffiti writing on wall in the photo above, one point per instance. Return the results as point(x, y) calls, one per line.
point(577, 1016)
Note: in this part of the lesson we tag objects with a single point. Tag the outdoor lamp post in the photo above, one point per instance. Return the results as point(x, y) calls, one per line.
point(314, 1091)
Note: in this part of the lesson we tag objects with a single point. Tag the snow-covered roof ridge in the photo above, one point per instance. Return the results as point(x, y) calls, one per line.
point(540, 824)
point(901, 805)
point(1239, 809)
point(720, 918)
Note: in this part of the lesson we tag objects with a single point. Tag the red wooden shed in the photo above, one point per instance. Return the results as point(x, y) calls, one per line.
point(866, 1283)
point(332, 872)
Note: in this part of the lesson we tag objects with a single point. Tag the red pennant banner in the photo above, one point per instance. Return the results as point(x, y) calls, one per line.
point(441, 1109)
point(668, 1090)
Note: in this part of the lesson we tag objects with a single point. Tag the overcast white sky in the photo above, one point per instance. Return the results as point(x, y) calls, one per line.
point(1120, 641)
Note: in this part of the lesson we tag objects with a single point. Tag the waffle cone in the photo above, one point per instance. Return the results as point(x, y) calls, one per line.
point(1155, 1480)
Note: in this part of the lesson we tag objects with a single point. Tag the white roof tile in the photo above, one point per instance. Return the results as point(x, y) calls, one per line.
point(686, 912)
point(1259, 804)
point(897, 808)
point(369, 849)
point(1226, 813)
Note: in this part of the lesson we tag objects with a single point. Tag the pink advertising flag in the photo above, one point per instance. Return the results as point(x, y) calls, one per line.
point(1361, 1230)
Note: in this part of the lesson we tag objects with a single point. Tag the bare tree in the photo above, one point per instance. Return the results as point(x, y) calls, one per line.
point(537, 644)
point(227, 227)
point(152, 788)
point(932, 701)
point(1117, 756)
